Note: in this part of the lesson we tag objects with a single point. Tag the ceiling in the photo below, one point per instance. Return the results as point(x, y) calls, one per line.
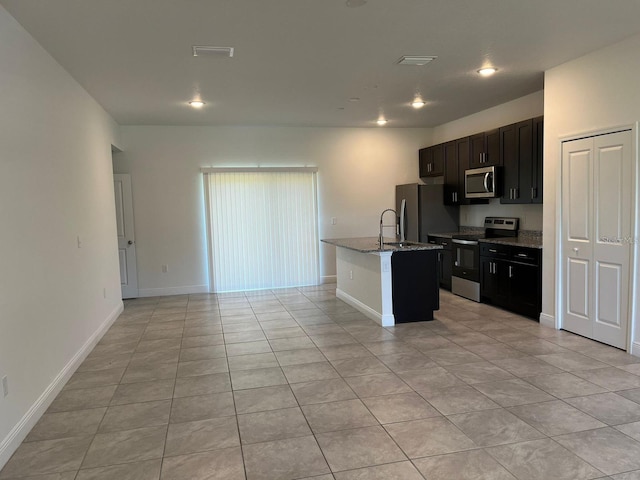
point(305, 62)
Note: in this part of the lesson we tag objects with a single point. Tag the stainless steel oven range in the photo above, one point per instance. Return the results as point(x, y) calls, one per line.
point(465, 280)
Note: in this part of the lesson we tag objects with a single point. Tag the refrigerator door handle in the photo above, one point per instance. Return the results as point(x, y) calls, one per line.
point(403, 214)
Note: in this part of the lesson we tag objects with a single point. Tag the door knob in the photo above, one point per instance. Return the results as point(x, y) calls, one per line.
point(576, 249)
point(130, 242)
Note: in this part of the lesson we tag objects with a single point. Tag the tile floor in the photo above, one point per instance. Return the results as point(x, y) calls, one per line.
point(295, 384)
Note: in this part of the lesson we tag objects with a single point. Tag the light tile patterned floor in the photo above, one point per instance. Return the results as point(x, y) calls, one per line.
point(295, 384)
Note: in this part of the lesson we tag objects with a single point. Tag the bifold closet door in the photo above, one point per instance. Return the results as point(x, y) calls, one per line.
point(597, 198)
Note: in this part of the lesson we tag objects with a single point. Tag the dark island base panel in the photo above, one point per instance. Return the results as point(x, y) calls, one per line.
point(414, 279)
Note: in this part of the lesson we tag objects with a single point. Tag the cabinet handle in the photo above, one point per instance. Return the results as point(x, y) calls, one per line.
point(522, 255)
point(510, 271)
point(533, 192)
point(444, 244)
point(493, 250)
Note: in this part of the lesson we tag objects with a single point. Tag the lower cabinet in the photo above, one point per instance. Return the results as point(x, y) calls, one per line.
point(510, 277)
point(445, 260)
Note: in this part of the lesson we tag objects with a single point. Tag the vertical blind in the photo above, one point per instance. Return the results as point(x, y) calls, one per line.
point(263, 229)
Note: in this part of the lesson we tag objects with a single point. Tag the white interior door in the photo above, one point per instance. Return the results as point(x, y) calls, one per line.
point(577, 160)
point(597, 194)
point(126, 235)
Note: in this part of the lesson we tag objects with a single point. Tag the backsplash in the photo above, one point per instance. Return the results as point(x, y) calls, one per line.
point(530, 215)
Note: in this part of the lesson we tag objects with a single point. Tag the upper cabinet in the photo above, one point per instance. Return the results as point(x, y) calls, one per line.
point(485, 149)
point(538, 148)
point(431, 161)
point(517, 148)
point(456, 155)
point(521, 151)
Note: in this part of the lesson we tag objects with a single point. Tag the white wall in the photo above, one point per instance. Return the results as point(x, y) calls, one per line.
point(357, 171)
point(594, 92)
point(56, 184)
point(505, 114)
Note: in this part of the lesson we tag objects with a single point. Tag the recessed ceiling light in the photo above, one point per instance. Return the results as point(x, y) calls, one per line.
point(416, 59)
point(487, 71)
point(355, 3)
point(381, 121)
point(354, 99)
point(196, 103)
point(418, 103)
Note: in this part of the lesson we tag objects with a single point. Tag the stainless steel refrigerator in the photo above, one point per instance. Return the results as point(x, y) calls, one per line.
point(421, 211)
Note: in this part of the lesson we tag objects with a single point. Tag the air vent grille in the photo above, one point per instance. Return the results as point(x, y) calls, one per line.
point(207, 51)
point(415, 59)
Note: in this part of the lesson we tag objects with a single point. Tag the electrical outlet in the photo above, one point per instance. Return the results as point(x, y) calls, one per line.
point(165, 268)
point(79, 241)
point(5, 385)
point(104, 292)
point(334, 220)
point(351, 274)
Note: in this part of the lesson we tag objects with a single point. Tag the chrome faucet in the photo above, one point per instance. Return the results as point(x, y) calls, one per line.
point(382, 226)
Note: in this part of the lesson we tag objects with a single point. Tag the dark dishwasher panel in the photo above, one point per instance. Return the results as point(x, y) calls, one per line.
point(445, 260)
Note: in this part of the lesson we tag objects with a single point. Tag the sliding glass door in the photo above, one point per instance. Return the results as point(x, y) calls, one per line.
point(263, 228)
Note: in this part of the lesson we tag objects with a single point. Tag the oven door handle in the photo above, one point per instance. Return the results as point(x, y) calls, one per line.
point(464, 242)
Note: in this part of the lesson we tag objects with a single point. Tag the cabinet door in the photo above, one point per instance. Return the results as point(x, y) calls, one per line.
point(476, 150)
point(516, 147)
point(437, 165)
point(494, 281)
point(462, 155)
point(425, 157)
point(524, 137)
point(488, 280)
point(525, 289)
point(485, 149)
point(431, 161)
point(510, 170)
point(492, 148)
point(451, 174)
point(537, 167)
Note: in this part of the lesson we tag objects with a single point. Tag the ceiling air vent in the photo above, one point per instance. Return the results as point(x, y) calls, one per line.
point(217, 52)
point(415, 59)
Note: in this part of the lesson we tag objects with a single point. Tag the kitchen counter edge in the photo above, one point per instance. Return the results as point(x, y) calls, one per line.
point(370, 245)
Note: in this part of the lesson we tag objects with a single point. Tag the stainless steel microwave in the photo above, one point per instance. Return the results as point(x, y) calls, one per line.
point(481, 182)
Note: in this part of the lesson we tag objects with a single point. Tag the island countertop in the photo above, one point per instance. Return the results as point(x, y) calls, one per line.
point(370, 245)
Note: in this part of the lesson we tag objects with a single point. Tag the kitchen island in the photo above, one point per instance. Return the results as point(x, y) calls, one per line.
point(398, 284)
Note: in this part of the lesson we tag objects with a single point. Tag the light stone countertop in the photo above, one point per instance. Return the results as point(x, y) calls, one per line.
point(370, 245)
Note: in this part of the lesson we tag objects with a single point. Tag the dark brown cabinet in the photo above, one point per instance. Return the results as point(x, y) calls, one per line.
point(453, 189)
point(431, 161)
point(537, 167)
point(485, 149)
point(510, 277)
point(521, 151)
point(445, 260)
point(517, 148)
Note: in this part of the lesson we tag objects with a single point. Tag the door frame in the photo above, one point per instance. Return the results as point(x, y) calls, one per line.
point(634, 283)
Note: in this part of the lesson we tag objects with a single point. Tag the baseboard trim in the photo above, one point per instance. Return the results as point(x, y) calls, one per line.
point(547, 320)
point(383, 320)
point(19, 432)
point(184, 290)
point(329, 279)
